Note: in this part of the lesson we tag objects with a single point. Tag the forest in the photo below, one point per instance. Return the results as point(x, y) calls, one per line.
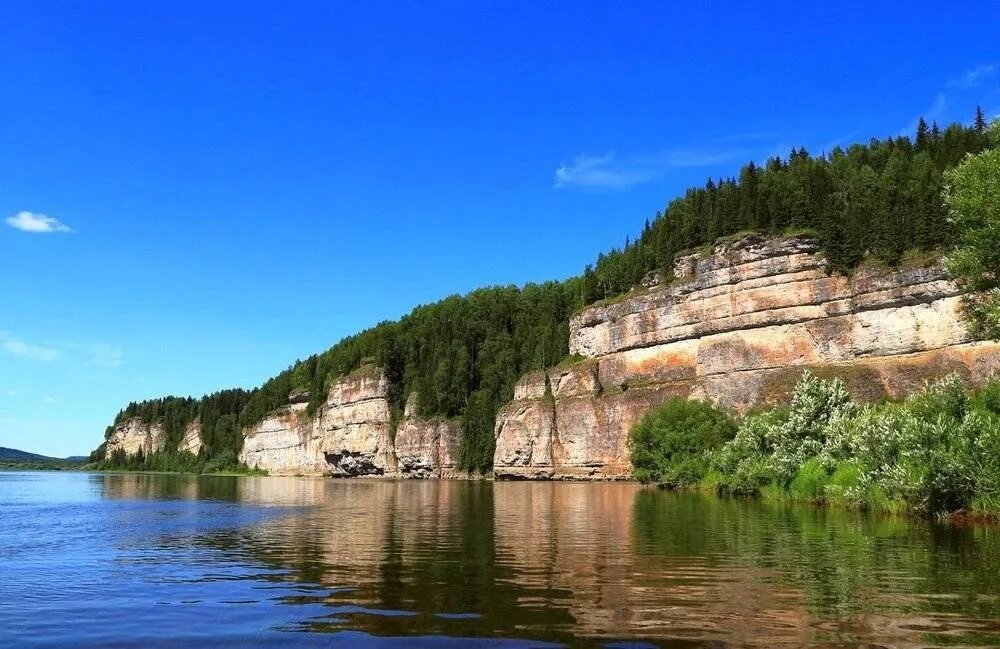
point(879, 201)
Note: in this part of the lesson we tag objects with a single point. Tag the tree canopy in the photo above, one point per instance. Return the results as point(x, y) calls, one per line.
point(463, 354)
point(973, 199)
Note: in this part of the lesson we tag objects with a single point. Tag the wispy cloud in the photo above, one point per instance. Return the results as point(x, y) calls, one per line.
point(609, 171)
point(975, 76)
point(13, 346)
point(105, 356)
point(99, 355)
point(36, 223)
point(974, 86)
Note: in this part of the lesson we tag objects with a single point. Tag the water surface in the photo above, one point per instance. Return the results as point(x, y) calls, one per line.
point(164, 560)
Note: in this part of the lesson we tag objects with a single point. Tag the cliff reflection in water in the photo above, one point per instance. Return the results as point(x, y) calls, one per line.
point(565, 561)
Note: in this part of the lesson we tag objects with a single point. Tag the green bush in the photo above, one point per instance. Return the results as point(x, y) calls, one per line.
point(810, 481)
point(939, 451)
point(671, 444)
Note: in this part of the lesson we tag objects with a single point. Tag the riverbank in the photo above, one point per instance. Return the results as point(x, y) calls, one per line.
point(937, 453)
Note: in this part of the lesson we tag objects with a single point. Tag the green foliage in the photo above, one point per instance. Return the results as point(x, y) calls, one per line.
point(218, 417)
point(878, 201)
point(173, 461)
point(972, 195)
point(939, 451)
point(670, 445)
point(771, 447)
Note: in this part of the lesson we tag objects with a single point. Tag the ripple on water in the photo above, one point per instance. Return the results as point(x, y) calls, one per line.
point(125, 560)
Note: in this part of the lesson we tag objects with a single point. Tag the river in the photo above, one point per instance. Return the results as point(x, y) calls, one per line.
point(107, 560)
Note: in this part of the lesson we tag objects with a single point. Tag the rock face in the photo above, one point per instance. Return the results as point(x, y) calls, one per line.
point(133, 436)
point(350, 435)
point(427, 448)
point(191, 442)
point(285, 442)
point(736, 326)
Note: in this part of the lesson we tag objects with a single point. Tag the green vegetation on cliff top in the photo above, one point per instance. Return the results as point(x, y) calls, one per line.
point(880, 200)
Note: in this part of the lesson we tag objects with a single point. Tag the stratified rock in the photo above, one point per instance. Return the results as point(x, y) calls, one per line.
point(135, 435)
point(349, 436)
point(191, 442)
point(354, 425)
point(427, 448)
point(285, 442)
point(737, 326)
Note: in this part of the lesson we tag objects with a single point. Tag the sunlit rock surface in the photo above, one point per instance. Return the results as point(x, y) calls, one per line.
point(350, 435)
point(133, 436)
point(736, 326)
point(191, 442)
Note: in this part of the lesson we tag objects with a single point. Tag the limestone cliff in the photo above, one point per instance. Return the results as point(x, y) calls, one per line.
point(134, 435)
point(427, 447)
point(736, 326)
point(191, 442)
point(350, 435)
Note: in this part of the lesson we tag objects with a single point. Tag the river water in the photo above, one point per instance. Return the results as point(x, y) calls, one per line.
point(164, 560)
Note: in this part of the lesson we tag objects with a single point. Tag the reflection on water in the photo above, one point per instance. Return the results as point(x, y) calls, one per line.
point(165, 558)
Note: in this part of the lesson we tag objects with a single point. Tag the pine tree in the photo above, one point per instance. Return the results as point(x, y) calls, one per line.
point(923, 138)
point(980, 123)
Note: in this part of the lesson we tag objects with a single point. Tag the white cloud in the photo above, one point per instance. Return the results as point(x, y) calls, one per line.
point(936, 110)
point(36, 223)
point(49, 399)
point(972, 88)
point(105, 356)
point(610, 172)
point(975, 76)
point(598, 172)
point(17, 347)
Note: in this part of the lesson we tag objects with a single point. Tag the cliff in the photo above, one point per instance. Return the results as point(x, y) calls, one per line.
point(350, 435)
point(134, 435)
point(737, 326)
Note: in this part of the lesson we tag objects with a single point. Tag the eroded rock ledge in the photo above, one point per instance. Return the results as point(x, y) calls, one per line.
point(736, 326)
point(350, 435)
point(135, 435)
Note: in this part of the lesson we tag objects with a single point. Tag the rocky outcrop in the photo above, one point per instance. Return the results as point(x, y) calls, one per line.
point(427, 448)
point(284, 443)
point(191, 441)
point(737, 326)
point(135, 435)
point(350, 435)
point(353, 427)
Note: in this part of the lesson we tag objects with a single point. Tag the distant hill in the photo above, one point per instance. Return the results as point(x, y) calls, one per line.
point(12, 457)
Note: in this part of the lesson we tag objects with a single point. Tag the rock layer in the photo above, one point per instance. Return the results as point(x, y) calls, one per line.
point(427, 448)
point(736, 326)
point(350, 435)
point(135, 435)
point(191, 442)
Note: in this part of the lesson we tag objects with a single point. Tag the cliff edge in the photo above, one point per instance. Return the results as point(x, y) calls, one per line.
point(736, 325)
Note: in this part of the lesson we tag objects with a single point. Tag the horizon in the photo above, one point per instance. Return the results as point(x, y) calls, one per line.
point(187, 210)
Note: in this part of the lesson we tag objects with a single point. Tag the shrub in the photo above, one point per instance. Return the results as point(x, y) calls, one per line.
point(770, 447)
point(671, 444)
point(810, 481)
point(936, 452)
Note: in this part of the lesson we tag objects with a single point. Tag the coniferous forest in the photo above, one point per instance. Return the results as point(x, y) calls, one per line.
point(879, 201)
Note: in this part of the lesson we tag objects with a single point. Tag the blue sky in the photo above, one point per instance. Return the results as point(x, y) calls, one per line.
point(230, 186)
